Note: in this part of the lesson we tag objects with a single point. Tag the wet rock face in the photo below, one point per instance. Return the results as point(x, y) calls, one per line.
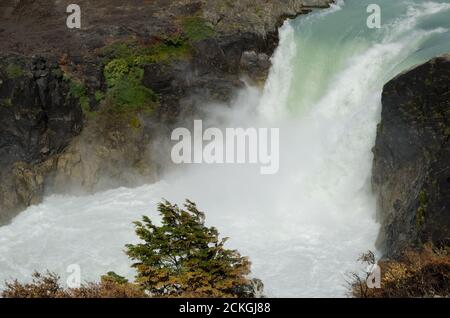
point(111, 151)
point(38, 118)
point(411, 171)
point(256, 65)
point(213, 74)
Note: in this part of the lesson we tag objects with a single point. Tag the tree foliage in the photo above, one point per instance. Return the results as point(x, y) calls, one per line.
point(184, 258)
point(180, 258)
point(48, 285)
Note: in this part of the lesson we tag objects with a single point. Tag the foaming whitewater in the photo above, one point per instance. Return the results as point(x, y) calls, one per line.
point(304, 227)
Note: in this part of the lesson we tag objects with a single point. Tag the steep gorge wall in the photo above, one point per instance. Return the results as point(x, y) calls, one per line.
point(38, 119)
point(411, 171)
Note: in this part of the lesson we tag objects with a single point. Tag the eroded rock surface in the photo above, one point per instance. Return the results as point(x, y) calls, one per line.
point(38, 119)
point(411, 171)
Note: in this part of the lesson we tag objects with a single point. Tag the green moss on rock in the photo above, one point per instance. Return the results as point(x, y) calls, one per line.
point(13, 71)
point(99, 96)
point(197, 28)
point(5, 102)
point(135, 122)
point(421, 211)
point(78, 90)
point(169, 48)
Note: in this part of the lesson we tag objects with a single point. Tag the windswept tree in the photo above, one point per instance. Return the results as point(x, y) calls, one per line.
point(184, 258)
point(180, 258)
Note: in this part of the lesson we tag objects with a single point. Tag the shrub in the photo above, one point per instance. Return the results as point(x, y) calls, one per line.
point(118, 50)
point(78, 90)
point(171, 48)
point(421, 210)
point(184, 258)
point(14, 71)
point(197, 28)
point(180, 258)
point(418, 273)
point(42, 286)
point(125, 88)
point(48, 286)
point(168, 48)
point(99, 96)
point(115, 71)
point(124, 71)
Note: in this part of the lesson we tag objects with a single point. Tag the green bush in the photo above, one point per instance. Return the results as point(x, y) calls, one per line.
point(78, 90)
point(196, 28)
point(13, 71)
point(124, 71)
point(99, 96)
point(417, 273)
point(125, 88)
point(184, 258)
point(115, 71)
point(48, 285)
point(133, 54)
point(170, 49)
point(128, 95)
point(119, 50)
point(421, 210)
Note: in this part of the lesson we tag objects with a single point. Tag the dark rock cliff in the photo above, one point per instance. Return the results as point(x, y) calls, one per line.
point(84, 115)
point(411, 170)
point(38, 118)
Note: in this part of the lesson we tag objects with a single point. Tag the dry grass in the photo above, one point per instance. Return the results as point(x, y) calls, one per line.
point(48, 286)
point(418, 273)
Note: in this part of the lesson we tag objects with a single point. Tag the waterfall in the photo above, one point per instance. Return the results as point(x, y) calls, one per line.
point(302, 228)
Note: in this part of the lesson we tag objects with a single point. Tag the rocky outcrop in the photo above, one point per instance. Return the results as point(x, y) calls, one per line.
point(113, 150)
point(190, 52)
point(38, 118)
point(213, 73)
point(411, 170)
point(30, 25)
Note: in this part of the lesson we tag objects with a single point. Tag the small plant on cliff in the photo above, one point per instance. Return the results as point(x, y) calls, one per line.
point(421, 210)
point(417, 273)
point(197, 28)
point(185, 258)
point(124, 71)
point(166, 49)
point(78, 90)
point(115, 71)
point(14, 71)
point(125, 87)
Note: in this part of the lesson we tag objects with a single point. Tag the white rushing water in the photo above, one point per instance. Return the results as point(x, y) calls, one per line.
point(304, 227)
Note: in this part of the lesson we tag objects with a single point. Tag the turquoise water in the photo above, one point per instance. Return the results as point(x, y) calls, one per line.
point(303, 228)
point(328, 42)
